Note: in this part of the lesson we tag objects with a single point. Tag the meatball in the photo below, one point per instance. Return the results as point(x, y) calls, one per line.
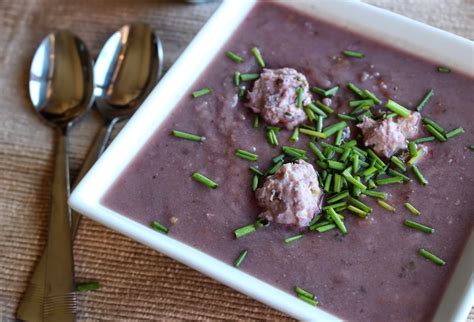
point(292, 195)
point(274, 96)
point(389, 135)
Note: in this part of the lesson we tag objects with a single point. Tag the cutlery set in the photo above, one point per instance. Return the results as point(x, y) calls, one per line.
point(64, 84)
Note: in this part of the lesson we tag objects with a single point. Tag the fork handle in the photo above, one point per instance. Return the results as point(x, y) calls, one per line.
point(59, 267)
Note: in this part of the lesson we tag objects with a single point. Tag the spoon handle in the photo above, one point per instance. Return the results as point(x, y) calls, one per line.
point(97, 147)
point(59, 296)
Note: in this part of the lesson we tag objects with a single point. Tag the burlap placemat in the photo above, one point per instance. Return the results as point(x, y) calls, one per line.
point(137, 283)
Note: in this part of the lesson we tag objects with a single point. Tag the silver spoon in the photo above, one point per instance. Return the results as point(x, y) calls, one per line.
point(60, 87)
point(122, 86)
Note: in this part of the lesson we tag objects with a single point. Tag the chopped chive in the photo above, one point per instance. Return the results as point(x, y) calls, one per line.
point(454, 132)
point(316, 109)
point(246, 155)
point(299, 97)
point(300, 291)
point(435, 259)
point(359, 204)
point(318, 90)
point(346, 117)
point(233, 56)
point(335, 165)
point(424, 139)
point(278, 158)
point(202, 179)
point(369, 171)
point(327, 183)
point(324, 228)
point(315, 219)
point(412, 148)
point(249, 77)
point(337, 220)
point(272, 138)
point(245, 230)
point(294, 152)
point(375, 157)
point(412, 209)
point(330, 130)
point(254, 182)
point(309, 114)
point(87, 286)
point(159, 227)
point(324, 107)
point(258, 57)
point(326, 93)
point(356, 90)
point(375, 194)
point(352, 180)
point(338, 139)
point(321, 164)
point(354, 54)
point(355, 163)
point(337, 183)
point(424, 100)
point(329, 152)
point(299, 151)
point(385, 205)
point(399, 163)
point(237, 78)
point(319, 124)
point(317, 152)
point(471, 147)
point(357, 211)
point(275, 168)
point(438, 135)
point(434, 124)
point(419, 175)
point(256, 121)
point(241, 258)
point(256, 171)
point(372, 96)
point(293, 238)
point(418, 155)
point(308, 300)
point(399, 174)
point(389, 180)
point(356, 190)
point(371, 184)
point(418, 226)
point(313, 133)
point(202, 92)
point(295, 136)
point(338, 197)
point(188, 136)
point(357, 103)
point(443, 69)
point(338, 149)
point(345, 154)
point(397, 108)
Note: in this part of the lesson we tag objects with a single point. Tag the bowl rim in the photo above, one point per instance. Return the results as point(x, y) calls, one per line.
point(452, 50)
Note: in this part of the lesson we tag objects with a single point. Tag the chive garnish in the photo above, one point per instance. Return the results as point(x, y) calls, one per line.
point(419, 175)
point(299, 97)
point(399, 174)
point(245, 230)
point(316, 110)
point(338, 139)
point(300, 291)
point(233, 56)
point(241, 258)
point(355, 163)
point(293, 238)
point(412, 209)
point(335, 165)
point(346, 117)
point(317, 152)
point(418, 226)
point(202, 92)
point(397, 108)
point(337, 183)
point(418, 155)
point(294, 152)
point(443, 69)
point(371, 184)
point(424, 139)
point(438, 135)
point(87, 286)
point(319, 124)
point(351, 179)
point(372, 96)
point(337, 220)
point(246, 155)
point(375, 194)
point(272, 138)
point(330, 130)
point(308, 300)
point(256, 171)
point(275, 168)
point(454, 132)
point(309, 114)
point(399, 163)
point(202, 179)
point(326, 93)
point(356, 90)
point(357, 211)
point(327, 183)
point(324, 228)
point(389, 180)
point(424, 100)
point(278, 158)
point(159, 227)
point(386, 205)
point(412, 148)
point(254, 182)
point(188, 136)
point(338, 197)
point(249, 77)
point(237, 78)
point(359, 204)
point(354, 54)
point(357, 103)
point(324, 107)
point(313, 133)
point(258, 57)
point(434, 124)
point(435, 259)
point(256, 121)
point(295, 136)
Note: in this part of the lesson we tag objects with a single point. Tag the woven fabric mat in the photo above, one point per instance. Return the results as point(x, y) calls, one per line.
point(137, 283)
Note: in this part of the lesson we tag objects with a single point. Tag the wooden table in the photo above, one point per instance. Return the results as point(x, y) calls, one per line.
point(137, 283)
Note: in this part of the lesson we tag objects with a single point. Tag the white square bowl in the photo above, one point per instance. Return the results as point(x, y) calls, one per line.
point(377, 24)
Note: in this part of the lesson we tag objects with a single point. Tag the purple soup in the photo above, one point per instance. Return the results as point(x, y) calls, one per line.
point(374, 272)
